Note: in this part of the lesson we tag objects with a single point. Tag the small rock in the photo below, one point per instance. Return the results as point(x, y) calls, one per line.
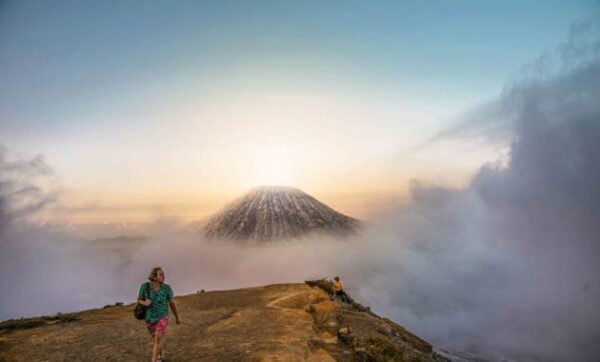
point(332, 340)
point(384, 329)
point(344, 331)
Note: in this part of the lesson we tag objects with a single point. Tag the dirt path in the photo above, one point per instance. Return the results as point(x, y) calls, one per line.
point(255, 324)
point(284, 322)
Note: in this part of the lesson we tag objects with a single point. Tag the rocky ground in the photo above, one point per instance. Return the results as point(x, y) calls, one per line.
point(284, 322)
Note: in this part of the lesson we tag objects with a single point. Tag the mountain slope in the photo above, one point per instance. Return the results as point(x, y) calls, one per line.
point(271, 213)
point(284, 322)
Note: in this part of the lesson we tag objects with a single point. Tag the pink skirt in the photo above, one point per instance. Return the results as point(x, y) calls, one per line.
point(160, 325)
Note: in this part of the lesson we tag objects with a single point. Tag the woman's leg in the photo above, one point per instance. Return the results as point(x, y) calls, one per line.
point(157, 349)
point(151, 330)
point(162, 342)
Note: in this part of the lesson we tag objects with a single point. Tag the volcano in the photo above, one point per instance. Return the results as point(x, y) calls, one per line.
point(273, 213)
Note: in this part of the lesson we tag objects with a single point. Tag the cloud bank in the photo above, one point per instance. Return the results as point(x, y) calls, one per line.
point(510, 263)
point(506, 266)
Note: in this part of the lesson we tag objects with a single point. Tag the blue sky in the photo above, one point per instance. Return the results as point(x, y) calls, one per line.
point(64, 56)
point(83, 82)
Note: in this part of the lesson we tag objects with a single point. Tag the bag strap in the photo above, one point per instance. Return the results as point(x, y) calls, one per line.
point(147, 290)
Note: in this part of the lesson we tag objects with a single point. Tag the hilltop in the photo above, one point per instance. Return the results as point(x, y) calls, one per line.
point(283, 322)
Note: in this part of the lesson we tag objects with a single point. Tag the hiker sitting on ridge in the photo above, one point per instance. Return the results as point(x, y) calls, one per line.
point(338, 290)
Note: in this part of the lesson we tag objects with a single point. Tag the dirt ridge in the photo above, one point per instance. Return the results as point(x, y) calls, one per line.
point(280, 322)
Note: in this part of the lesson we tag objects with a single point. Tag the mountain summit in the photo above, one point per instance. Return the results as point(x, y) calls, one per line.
point(272, 213)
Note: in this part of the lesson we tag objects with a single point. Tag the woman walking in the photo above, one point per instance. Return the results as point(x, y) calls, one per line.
point(157, 296)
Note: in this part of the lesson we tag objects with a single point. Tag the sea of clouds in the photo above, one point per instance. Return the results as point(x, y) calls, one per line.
point(508, 264)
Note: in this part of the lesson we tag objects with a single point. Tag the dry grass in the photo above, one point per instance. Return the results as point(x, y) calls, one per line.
point(283, 322)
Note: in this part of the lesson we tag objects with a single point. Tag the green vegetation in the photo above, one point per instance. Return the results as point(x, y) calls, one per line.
point(23, 323)
point(381, 350)
point(327, 286)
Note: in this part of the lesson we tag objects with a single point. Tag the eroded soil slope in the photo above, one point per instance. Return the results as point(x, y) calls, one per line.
point(284, 322)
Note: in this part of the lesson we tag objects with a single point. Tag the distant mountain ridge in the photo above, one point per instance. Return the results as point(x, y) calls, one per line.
point(272, 213)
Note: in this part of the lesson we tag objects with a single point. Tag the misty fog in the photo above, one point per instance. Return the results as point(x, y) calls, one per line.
point(508, 264)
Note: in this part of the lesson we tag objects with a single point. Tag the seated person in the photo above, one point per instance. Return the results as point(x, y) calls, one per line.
point(338, 290)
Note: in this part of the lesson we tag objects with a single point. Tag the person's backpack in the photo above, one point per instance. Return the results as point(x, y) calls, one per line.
point(140, 310)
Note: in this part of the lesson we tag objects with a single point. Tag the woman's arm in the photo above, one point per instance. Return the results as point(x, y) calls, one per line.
point(174, 309)
point(143, 294)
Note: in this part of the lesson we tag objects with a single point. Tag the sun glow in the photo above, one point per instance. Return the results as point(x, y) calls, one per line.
point(273, 166)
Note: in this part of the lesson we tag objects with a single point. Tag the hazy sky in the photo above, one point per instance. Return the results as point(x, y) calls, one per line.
point(482, 116)
point(147, 107)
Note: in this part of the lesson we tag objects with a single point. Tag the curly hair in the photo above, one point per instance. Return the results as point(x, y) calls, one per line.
point(154, 273)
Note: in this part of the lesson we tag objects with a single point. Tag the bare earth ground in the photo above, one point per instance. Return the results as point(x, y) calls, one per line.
point(283, 322)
